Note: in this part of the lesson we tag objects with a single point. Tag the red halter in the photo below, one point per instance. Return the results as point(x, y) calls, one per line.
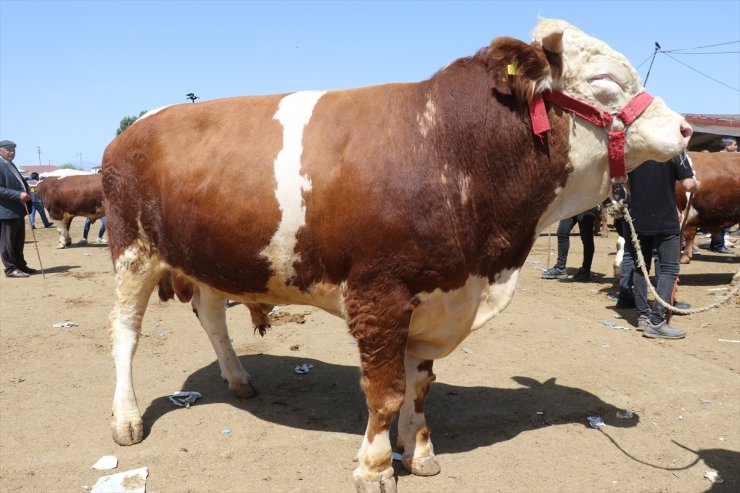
point(600, 118)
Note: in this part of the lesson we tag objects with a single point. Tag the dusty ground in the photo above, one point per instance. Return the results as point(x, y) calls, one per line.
point(508, 412)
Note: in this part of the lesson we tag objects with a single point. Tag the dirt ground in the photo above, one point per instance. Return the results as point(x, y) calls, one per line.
point(508, 411)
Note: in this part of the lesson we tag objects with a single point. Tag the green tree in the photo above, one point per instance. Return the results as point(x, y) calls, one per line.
point(126, 121)
point(71, 166)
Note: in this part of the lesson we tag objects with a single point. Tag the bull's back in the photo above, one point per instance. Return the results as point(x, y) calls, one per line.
point(73, 195)
point(718, 201)
point(220, 190)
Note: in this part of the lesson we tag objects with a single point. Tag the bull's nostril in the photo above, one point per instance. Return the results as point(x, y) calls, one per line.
point(686, 130)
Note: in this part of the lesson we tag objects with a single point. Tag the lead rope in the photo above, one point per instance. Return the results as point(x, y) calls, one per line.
point(622, 209)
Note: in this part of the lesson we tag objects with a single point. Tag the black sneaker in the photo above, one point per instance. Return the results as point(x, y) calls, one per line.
point(555, 273)
point(582, 275)
point(662, 331)
point(628, 302)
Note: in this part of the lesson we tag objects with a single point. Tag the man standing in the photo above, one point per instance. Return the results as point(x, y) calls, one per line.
point(14, 195)
point(653, 209)
point(36, 204)
point(585, 221)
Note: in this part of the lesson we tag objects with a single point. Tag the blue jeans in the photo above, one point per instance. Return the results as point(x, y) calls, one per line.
point(86, 229)
point(667, 248)
point(717, 241)
point(38, 206)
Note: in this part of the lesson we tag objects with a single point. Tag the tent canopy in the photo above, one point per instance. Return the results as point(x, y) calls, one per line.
point(61, 173)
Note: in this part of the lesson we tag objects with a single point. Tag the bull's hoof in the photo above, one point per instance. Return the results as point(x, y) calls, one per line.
point(128, 433)
point(61, 246)
point(243, 390)
point(422, 466)
point(685, 259)
point(382, 486)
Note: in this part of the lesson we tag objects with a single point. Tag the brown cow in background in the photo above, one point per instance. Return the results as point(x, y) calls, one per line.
point(72, 196)
point(717, 203)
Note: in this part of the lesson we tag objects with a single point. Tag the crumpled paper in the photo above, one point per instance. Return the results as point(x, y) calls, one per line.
point(65, 324)
point(185, 398)
point(133, 481)
point(106, 462)
point(304, 368)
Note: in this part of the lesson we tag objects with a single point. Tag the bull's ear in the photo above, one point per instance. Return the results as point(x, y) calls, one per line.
point(520, 69)
point(553, 41)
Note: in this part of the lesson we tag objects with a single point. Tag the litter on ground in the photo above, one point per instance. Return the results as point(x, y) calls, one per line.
point(304, 368)
point(185, 398)
point(106, 462)
point(64, 324)
point(613, 325)
point(133, 481)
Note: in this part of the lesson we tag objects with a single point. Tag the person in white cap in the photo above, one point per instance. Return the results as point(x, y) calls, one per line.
point(14, 195)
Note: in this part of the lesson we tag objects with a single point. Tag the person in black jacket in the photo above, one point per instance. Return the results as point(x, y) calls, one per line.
point(14, 195)
point(653, 209)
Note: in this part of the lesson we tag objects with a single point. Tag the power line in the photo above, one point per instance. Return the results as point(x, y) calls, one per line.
point(702, 47)
point(703, 52)
point(702, 73)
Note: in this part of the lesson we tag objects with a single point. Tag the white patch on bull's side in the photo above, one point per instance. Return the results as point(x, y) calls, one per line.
point(293, 113)
point(444, 318)
point(427, 120)
point(150, 113)
point(328, 297)
point(496, 297)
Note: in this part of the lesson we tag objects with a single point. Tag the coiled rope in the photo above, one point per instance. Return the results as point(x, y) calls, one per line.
point(620, 209)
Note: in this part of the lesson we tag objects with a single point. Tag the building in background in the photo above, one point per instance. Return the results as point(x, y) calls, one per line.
point(36, 168)
point(709, 130)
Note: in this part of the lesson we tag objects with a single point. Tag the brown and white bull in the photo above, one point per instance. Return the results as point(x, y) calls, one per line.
point(71, 196)
point(406, 209)
point(717, 204)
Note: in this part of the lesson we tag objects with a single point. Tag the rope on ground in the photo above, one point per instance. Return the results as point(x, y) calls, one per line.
point(621, 210)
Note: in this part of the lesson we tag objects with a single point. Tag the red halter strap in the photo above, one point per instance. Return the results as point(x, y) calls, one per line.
point(600, 118)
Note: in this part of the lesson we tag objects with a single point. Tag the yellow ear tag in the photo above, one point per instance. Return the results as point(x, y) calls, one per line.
point(512, 68)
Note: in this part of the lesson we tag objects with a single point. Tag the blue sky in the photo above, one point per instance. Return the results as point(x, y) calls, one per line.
point(70, 70)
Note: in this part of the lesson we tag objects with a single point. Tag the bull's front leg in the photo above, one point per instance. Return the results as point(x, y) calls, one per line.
point(379, 321)
point(414, 438)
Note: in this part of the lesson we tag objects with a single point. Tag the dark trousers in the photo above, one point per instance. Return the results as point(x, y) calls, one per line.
point(585, 223)
point(717, 241)
point(667, 249)
point(12, 238)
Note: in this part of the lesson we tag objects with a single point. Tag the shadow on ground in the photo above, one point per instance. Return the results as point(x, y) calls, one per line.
point(329, 399)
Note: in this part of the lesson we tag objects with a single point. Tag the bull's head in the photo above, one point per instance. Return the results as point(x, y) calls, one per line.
point(564, 59)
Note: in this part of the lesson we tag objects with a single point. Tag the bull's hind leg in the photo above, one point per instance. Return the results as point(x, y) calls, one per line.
point(63, 227)
point(136, 275)
point(413, 435)
point(210, 308)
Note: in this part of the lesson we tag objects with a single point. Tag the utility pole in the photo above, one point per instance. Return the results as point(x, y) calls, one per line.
point(39, 149)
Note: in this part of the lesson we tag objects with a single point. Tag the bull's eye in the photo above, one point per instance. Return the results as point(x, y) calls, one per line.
point(605, 89)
